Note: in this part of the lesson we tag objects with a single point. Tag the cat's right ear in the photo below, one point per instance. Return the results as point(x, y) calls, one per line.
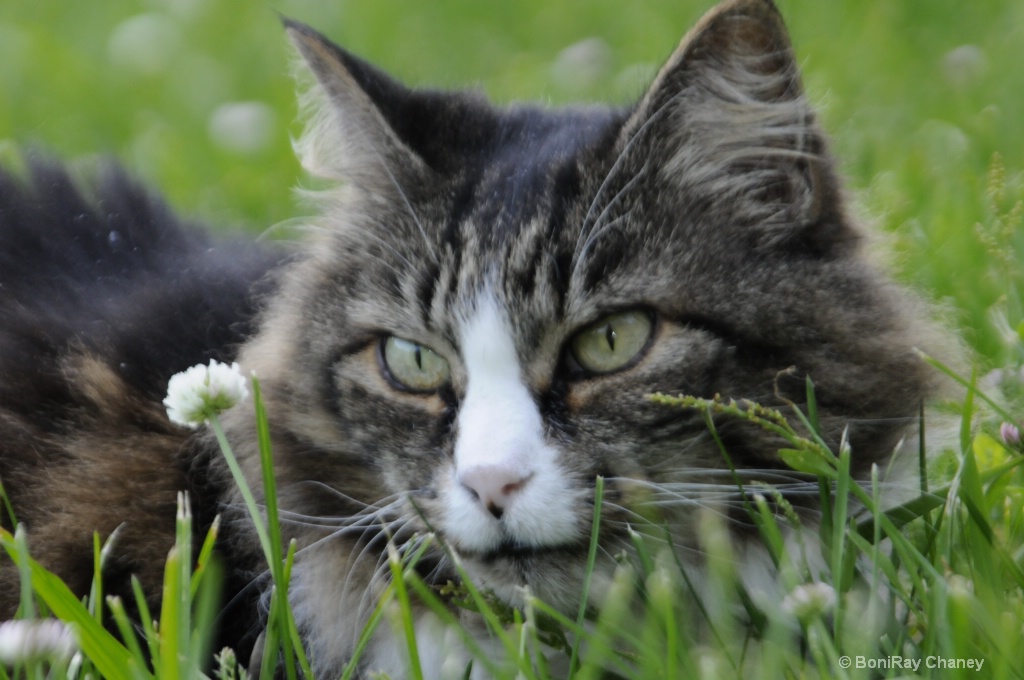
point(349, 137)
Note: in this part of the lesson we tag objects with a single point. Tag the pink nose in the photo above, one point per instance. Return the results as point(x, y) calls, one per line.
point(494, 485)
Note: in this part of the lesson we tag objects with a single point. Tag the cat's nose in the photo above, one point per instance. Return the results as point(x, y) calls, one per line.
point(494, 485)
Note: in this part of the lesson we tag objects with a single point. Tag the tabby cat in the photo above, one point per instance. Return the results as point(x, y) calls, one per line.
point(466, 341)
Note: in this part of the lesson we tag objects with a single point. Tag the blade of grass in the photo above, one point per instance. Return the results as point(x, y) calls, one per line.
point(971, 387)
point(205, 555)
point(293, 629)
point(698, 600)
point(291, 648)
point(243, 486)
point(972, 498)
point(598, 640)
point(183, 592)
point(109, 656)
point(595, 532)
point(271, 639)
point(147, 621)
point(812, 407)
point(170, 617)
point(28, 600)
point(709, 421)
point(7, 507)
point(922, 452)
point(96, 590)
point(126, 629)
point(429, 597)
point(918, 507)
point(491, 619)
point(405, 611)
point(530, 638)
point(205, 606)
point(840, 512)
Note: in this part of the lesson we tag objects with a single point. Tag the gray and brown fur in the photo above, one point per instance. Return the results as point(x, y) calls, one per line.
point(713, 203)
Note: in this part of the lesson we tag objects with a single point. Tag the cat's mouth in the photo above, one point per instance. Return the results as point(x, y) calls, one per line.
point(522, 555)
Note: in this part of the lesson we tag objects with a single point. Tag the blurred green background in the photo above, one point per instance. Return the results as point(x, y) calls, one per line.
point(195, 96)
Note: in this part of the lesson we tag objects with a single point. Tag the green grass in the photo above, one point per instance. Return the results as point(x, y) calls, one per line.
point(924, 101)
point(936, 580)
point(919, 96)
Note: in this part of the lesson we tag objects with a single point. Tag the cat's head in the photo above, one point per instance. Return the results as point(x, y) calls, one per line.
point(492, 294)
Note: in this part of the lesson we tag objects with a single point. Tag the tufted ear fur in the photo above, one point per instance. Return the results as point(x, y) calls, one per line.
point(367, 129)
point(351, 107)
point(727, 117)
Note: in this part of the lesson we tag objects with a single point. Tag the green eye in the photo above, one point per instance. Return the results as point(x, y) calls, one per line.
point(413, 366)
point(613, 342)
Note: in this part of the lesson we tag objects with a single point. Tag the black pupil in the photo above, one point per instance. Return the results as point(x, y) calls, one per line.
point(419, 358)
point(609, 336)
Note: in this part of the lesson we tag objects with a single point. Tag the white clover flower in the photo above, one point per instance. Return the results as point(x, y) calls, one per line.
point(809, 600)
point(203, 391)
point(30, 640)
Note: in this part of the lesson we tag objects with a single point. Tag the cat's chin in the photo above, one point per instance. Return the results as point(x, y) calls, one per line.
point(553, 574)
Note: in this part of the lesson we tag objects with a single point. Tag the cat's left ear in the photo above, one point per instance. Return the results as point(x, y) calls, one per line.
point(727, 118)
point(352, 111)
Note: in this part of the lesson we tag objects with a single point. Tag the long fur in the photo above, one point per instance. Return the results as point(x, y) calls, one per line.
point(104, 294)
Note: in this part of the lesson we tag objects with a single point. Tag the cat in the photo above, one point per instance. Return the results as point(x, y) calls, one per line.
point(466, 340)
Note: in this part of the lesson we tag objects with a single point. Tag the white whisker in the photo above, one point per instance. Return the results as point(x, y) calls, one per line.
point(614, 171)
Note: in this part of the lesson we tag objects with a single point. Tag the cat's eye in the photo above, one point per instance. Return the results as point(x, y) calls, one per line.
point(413, 366)
point(612, 343)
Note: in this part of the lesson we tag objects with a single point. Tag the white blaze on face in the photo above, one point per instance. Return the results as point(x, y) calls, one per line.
point(508, 486)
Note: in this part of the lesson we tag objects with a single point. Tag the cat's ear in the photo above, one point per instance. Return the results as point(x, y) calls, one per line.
point(351, 108)
point(728, 118)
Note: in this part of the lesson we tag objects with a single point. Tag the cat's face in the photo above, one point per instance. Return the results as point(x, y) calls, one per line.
point(492, 296)
point(491, 374)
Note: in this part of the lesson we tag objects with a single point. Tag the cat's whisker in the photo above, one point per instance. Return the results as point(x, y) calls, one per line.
point(368, 517)
point(398, 271)
point(758, 486)
point(380, 502)
point(620, 196)
point(705, 480)
point(339, 526)
point(685, 452)
point(440, 568)
point(713, 497)
point(623, 157)
point(364, 515)
point(596, 233)
point(405, 199)
point(390, 532)
point(719, 508)
point(381, 571)
point(390, 504)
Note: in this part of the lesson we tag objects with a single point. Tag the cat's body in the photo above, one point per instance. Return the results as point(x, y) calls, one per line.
point(103, 296)
point(469, 339)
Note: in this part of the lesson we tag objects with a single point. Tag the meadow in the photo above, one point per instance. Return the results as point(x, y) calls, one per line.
point(924, 101)
point(196, 96)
